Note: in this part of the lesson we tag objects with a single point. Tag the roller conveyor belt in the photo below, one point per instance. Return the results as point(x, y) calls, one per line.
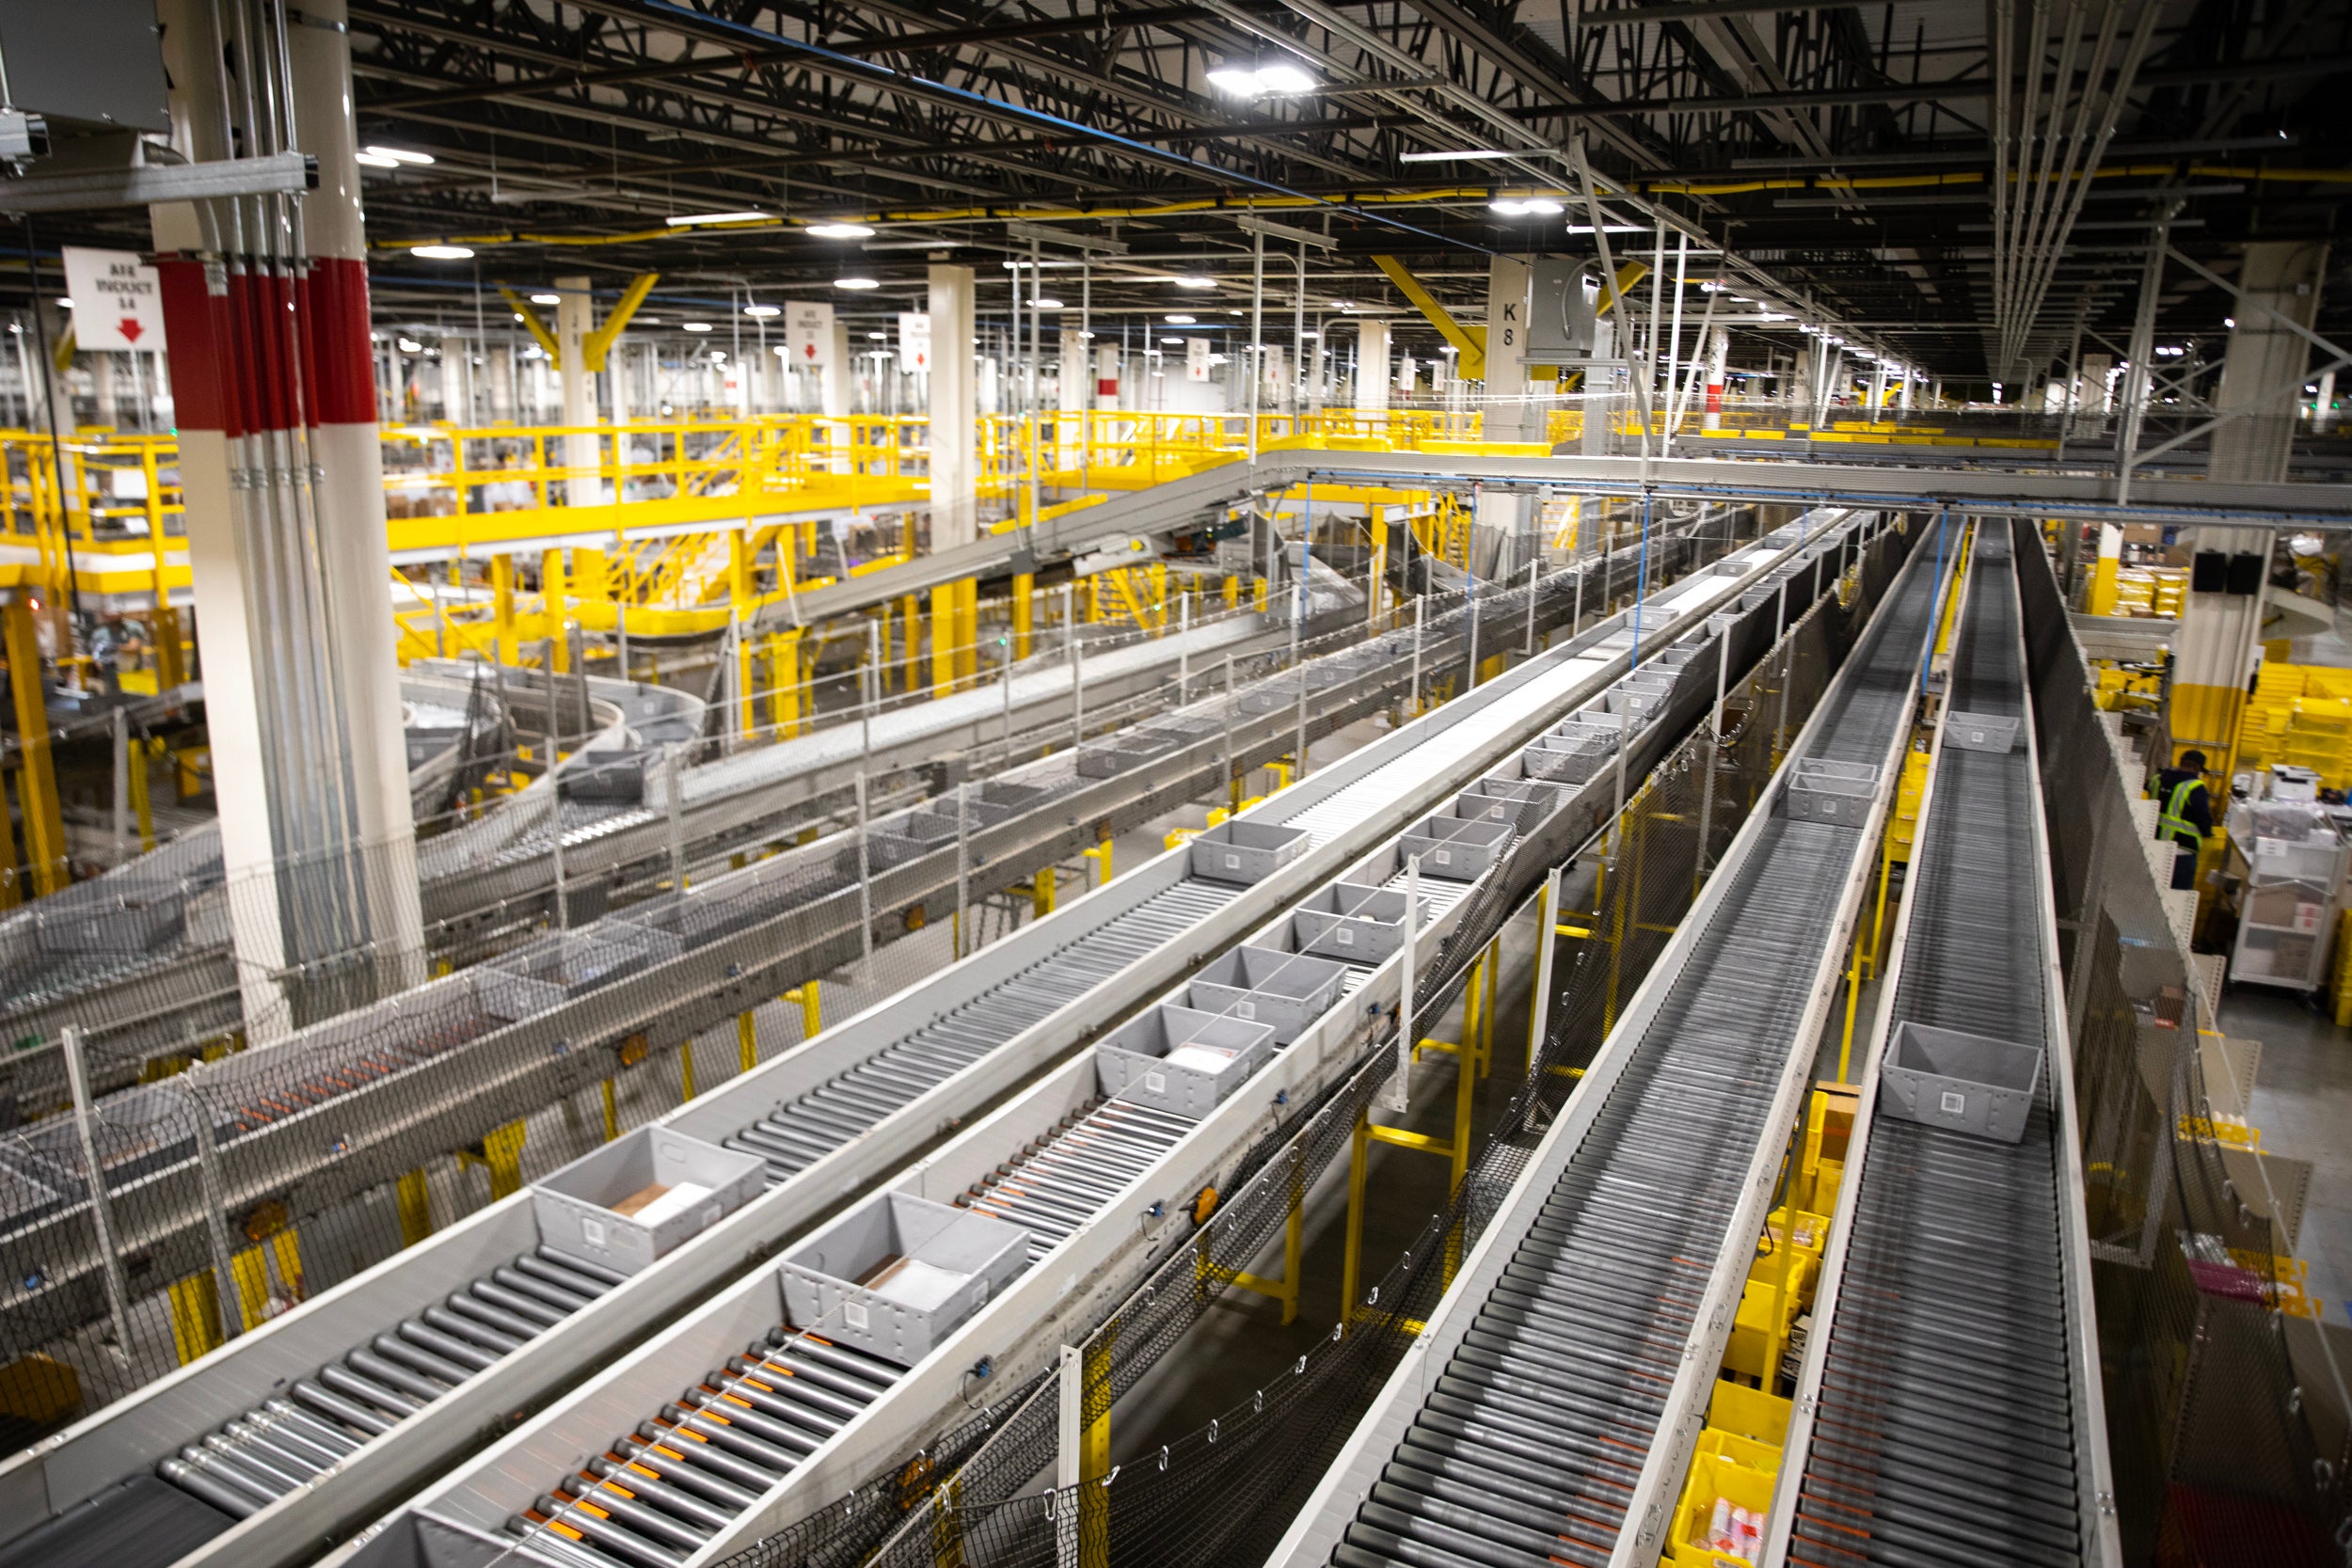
point(654, 1497)
point(1942, 1423)
point(1529, 1440)
point(884, 1070)
point(315, 1422)
point(796, 1136)
point(1052, 1187)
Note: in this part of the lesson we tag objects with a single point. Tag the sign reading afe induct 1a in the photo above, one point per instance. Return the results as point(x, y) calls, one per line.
point(117, 300)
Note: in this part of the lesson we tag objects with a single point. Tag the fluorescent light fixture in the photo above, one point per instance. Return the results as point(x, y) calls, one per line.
point(546, 299)
point(840, 231)
point(65, 305)
point(397, 155)
point(1194, 280)
point(695, 327)
point(1315, 335)
point(878, 337)
point(720, 355)
point(1614, 228)
point(695, 218)
point(1525, 207)
point(761, 313)
point(856, 283)
point(410, 345)
point(1281, 76)
point(376, 160)
point(1454, 155)
point(1173, 343)
point(1046, 304)
point(441, 252)
point(1178, 320)
point(782, 351)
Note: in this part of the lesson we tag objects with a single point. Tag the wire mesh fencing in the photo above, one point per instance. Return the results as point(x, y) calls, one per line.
point(1225, 1492)
point(2224, 1396)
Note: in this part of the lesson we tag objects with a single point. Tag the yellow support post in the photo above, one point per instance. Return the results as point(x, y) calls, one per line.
point(1023, 613)
point(250, 1270)
point(415, 1201)
point(1041, 887)
point(36, 777)
point(555, 609)
point(611, 1114)
point(812, 1009)
point(1100, 856)
point(285, 1248)
point(686, 1073)
point(503, 1154)
point(943, 618)
point(968, 631)
point(502, 635)
point(1233, 593)
point(599, 342)
point(746, 1045)
point(195, 1315)
point(1094, 1455)
point(1351, 1255)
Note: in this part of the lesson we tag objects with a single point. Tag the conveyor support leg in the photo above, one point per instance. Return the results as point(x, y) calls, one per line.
point(415, 1208)
point(194, 1314)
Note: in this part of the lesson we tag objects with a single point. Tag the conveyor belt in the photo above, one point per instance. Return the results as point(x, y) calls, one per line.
point(1053, 1162)
point(651, 1501)
point(278, 1445)
point(794, 1136)
point(1942, 1421)
point(1528, 1444)
point(1050, 1187)
point(874, 1072)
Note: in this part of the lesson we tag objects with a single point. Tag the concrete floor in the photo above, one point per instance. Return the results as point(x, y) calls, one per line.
point(2303, 1104)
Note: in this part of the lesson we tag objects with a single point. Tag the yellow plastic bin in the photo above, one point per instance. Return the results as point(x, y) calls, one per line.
point(1727, 1466)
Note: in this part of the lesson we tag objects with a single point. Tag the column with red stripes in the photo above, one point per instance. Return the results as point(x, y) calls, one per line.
point(267, 308)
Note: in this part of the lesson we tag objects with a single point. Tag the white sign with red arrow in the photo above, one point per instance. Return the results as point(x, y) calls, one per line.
point(914, 341)
point(118, 299)
point(808, 333)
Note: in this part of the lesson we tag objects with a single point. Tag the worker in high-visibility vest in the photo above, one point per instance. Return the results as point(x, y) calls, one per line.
point(2185, 813)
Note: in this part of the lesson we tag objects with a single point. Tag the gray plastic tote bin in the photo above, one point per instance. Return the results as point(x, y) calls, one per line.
point(1146, 1059)
point(1351, 922)
point(1833, 792)
point(1245, 851)
point(1286, 992)
point(1981, 732)
point(1968, 1082)
point(634, 1200)
point(1455, 849)
point(897, 1273)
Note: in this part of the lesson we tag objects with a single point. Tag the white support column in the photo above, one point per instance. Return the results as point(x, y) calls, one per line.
point(1718, 365)
point(2259, 400)
point(574, 318)
point(1372, 366)
point(837, 395)
point(502, 380)
point(1509, 410)
point(1070, 430)
point(955, 474)
point(619, 394)
point(457, 381)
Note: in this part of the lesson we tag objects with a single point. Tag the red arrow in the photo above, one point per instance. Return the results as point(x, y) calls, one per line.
point(131, 329)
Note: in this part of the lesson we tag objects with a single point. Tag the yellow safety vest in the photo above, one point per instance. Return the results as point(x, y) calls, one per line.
point(2175, 820)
